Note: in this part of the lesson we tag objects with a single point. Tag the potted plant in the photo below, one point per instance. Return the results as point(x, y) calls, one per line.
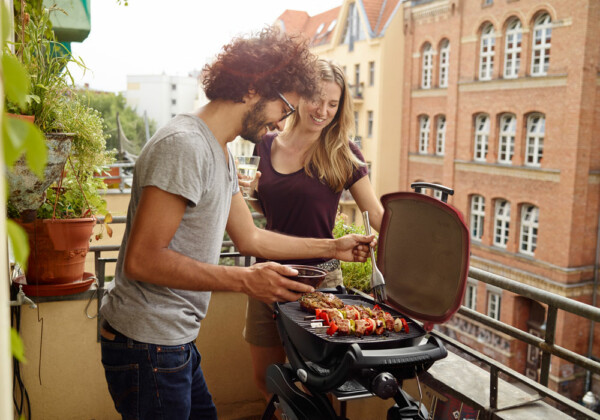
point(75, 137)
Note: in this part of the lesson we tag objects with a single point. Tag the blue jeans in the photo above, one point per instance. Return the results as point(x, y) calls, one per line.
point(148, 381)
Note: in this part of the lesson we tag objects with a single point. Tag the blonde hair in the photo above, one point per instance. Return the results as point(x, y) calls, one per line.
point(330, 159)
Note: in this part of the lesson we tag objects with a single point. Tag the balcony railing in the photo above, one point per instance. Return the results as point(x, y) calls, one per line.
point(357, 92)
point(545, 344)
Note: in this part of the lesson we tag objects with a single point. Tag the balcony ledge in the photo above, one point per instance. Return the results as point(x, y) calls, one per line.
point(463, 380)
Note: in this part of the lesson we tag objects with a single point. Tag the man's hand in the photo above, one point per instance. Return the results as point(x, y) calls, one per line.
point(354, 248)
point(266, 282)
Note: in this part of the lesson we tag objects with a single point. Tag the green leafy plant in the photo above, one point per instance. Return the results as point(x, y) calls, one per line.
point(53, 100)
point(46, 61)
point(356, 275)
point(18, 137)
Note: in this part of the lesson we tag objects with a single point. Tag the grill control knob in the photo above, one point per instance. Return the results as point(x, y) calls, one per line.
point(302, 375)
point(384, 385)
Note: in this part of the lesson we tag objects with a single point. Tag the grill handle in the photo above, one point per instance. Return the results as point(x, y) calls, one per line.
point(421, 354)
point(356, 358)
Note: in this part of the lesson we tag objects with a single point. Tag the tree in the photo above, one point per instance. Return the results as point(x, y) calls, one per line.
point(109, 104)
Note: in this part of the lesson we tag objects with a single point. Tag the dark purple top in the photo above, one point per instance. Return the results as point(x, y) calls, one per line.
point(297, 204)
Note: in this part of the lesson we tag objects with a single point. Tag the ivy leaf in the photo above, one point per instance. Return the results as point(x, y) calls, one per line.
point(16, 346)
point(16, 80)
point(19, 242)
point(13, 133)
point(20, 136)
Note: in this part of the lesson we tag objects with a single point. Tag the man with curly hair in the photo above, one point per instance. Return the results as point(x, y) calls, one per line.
point(184, 195)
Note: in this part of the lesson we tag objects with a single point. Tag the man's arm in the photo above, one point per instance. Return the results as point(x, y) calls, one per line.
point(257, 242)
point(149, 259)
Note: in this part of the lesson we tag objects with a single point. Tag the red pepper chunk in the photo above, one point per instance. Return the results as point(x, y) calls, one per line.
point(404, 325)
point(332, 328)
point(323, 315)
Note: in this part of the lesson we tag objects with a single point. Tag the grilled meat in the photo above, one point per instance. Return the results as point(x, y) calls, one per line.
point(319, 300)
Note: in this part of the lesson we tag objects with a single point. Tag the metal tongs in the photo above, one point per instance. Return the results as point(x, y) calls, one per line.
point(377, 281)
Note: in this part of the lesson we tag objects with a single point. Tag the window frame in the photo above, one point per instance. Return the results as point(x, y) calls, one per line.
point(501, 223)
point(427, 67)
point(470, 299)
point(494, 303)
point(487, 46)
point(477, 217)
point(370, 123)
point(512, 52)
point(506, 138)
point(529, 229)
point(444, 63)
point(534, 140)
point(440, 135)
point(371, 73)
point(424, 133)
point(543, 27)
point(482, 138)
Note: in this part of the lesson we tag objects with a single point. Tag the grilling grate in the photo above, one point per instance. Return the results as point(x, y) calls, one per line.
point(294, 311)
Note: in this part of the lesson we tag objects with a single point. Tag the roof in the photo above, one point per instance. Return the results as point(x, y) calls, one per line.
point(319, 28)
point(378, 14)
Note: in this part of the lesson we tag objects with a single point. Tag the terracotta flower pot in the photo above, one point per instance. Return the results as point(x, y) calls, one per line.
point(70, 233)
point(48, 265)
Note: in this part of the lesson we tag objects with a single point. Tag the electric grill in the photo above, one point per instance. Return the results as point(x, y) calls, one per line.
point(424, 256)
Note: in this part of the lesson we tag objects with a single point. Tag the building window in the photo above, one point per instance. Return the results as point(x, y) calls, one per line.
point(486, 52)
point(355, 121)
point(427, 66)
point(369, 123)
point(437, 193)
point(471, 296)
point(482, 134)
point(356, 75)
point(371, 73)
point(173, 86)
point(542, 35)
point(512, 49)
point(444, 63)
point(173, 101)
point(536, 128)
point(423, 134)
point(494, 301)
point(501, 223)
point(477, 217)
point(506, 140)
point(529, 229)
point(440, 137)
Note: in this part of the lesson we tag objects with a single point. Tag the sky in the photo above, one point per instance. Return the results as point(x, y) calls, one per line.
point(175, 37)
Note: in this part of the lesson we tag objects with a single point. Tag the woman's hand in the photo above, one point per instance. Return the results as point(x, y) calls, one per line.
point(252, 184)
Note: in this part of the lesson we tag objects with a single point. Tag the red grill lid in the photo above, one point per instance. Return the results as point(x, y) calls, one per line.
point(423, 253)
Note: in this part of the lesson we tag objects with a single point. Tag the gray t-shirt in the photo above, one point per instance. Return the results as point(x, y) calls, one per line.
point(182, 158)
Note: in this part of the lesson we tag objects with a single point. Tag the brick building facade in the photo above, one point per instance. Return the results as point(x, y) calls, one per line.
point(501, 102)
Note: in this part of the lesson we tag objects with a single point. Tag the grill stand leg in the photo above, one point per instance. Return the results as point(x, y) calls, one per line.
point(293, 402)
point(406, 408)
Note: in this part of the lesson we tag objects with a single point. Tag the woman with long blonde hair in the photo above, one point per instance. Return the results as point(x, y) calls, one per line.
point(303, 171)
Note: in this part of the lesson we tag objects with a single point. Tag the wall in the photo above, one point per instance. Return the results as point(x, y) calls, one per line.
point(64, 375)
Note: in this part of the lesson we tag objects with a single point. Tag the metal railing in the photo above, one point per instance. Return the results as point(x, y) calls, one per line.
point(546, 344)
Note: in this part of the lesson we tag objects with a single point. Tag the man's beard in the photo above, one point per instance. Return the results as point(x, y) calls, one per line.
point(254, 122)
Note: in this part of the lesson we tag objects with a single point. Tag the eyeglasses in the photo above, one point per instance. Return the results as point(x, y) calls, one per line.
point(289, 105)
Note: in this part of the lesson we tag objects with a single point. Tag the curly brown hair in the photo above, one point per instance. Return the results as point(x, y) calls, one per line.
point(268, 62)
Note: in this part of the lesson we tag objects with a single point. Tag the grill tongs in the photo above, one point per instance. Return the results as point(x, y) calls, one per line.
point(377, 281)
